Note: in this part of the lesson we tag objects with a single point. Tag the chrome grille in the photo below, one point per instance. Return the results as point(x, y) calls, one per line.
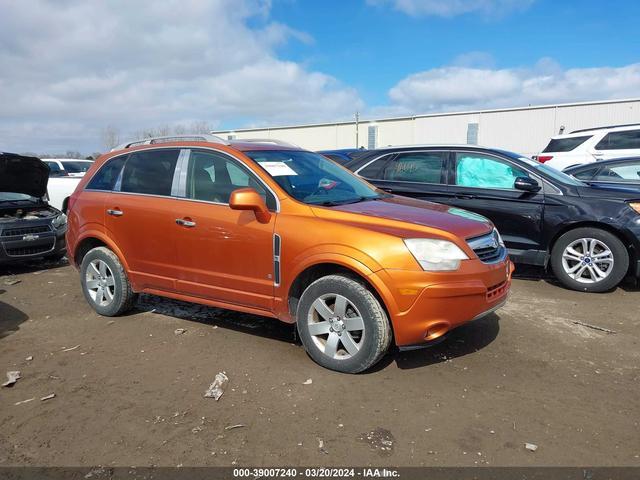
point(487, 247)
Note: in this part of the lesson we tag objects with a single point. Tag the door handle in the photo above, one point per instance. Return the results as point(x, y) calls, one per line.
point(386, 189)
point(185, 223)
point(465, 196)
point(115, 213)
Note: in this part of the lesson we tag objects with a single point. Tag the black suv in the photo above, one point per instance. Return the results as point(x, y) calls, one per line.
point(589, 236)
point(29, 227)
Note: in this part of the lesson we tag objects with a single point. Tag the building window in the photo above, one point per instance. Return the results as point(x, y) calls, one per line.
point(231, 137)
point(472, 133)
point(372, 137)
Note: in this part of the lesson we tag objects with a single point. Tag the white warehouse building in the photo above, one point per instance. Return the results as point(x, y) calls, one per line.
point(525, 130)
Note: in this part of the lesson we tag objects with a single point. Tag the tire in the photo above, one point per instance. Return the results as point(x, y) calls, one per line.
point(599, 271)
point(350, 346)
point(105, 284)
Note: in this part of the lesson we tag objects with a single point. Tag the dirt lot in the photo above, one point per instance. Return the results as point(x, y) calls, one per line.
point(131, 393)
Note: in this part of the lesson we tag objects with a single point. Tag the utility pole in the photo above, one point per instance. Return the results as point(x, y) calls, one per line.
point(357, 125)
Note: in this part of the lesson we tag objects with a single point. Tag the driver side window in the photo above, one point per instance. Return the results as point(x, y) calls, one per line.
point(483, 171)
point(212, 177)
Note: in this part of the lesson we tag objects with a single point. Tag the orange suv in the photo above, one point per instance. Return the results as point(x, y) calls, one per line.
point(268, 228)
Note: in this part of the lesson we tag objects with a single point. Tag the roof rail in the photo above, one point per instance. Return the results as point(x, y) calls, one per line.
point(263, 140)
point(606, 127)
point(196, 137)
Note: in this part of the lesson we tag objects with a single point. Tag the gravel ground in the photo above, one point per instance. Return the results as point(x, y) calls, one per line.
point(129, 390)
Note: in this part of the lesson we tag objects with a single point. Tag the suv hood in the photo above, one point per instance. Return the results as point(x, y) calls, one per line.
point(19, 174)
point(418, 213)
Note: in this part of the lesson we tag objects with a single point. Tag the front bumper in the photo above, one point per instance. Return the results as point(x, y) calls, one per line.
point(424, 306)
point(21, 244)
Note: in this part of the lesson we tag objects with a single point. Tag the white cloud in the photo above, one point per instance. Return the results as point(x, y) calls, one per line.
point(71, 67)
point(463, 88)
point(452, 8)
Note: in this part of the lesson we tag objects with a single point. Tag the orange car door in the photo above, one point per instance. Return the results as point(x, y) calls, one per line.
point(140, 217)
point(223, 254)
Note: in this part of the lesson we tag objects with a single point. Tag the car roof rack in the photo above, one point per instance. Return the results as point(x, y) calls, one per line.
point(606, 127)
point(196, 137)
point(269, 141)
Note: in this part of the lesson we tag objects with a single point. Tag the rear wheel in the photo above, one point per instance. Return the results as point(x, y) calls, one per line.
point(342, 325)
point(589, 260)
point(105, 284)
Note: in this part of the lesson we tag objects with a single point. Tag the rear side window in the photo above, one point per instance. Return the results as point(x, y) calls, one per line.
point(620, 140)
point(375, 169)
point(586, 174)
point(150, 172)
point(565, 144)
point(620, 173)
point(106, 177)
point(54, 169)
point(423, 167)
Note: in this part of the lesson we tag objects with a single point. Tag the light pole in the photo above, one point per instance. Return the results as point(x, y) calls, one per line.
point(357, 125)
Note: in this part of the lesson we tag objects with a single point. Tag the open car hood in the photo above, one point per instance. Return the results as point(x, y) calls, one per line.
point(20, 174)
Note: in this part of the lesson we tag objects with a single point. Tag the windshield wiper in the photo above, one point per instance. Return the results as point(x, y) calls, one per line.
point(333, 203)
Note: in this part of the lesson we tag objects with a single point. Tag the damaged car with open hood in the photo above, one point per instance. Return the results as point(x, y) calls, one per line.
point(29, 227)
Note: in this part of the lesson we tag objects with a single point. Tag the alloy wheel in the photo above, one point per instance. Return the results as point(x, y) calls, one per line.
point(336, 326)
point(587, 260)
point(100, 283)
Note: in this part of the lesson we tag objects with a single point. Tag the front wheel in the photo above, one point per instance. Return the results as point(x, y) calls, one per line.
point(589, 260)
point(342, 325)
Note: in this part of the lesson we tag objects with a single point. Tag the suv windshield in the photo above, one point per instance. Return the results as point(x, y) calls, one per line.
point(16, 197)
point(311, 178)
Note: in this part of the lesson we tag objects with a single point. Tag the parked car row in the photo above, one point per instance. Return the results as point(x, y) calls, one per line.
point(400, 245)
point(590, 237)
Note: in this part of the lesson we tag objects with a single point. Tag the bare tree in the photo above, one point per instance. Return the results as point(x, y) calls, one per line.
point(110, 137)
point(200, 126)
point(73, 154)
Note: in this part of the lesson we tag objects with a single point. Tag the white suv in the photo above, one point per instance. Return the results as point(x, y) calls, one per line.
point(591, 145)
point(70, 167)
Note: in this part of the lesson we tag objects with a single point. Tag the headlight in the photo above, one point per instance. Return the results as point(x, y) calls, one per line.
point(435, 255)
point(59, 221)
point(635, 206)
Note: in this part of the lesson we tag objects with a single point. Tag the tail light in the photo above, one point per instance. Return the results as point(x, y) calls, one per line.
point(544, 158)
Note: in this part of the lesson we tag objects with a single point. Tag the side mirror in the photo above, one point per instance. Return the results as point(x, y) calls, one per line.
point(249, 199)
point(526, 184)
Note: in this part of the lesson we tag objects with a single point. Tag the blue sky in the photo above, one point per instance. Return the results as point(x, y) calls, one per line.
point(372, 48)
point(73, 70)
